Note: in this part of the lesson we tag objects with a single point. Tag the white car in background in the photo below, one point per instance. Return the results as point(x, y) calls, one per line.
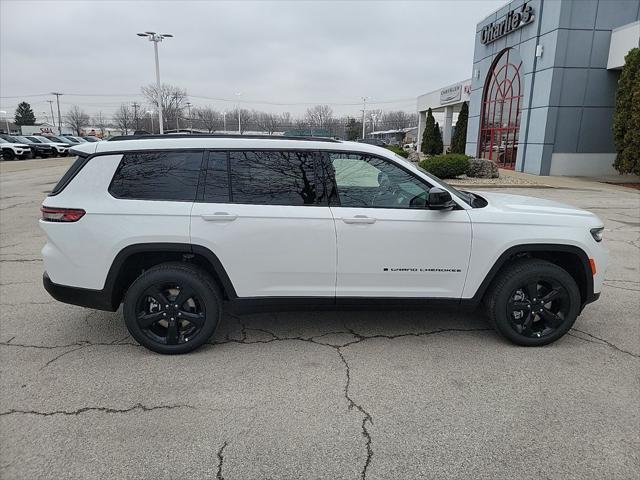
point(11, 151)
point(61, 148)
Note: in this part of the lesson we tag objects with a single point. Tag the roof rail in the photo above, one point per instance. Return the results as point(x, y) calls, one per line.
point(221, 135)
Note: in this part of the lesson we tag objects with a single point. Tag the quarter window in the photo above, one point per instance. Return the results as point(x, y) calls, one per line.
point(273, 178)
point(157, 176)
point(367, 181)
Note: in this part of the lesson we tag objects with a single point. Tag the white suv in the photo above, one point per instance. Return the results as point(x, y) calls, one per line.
point(179, 227)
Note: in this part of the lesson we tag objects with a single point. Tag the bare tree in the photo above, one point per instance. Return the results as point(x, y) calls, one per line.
point(100, 122)
point(285, 120)
point(77, 119)
point(266, 122)
point(123, 118)
point(246, 118)
point(172, 98)
point(208, 118)
point(319, 116)
point(395, 120)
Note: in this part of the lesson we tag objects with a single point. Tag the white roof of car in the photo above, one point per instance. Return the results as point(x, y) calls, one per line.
point(173, 142)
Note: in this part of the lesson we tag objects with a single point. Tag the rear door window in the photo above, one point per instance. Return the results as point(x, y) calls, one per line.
point(171, 176)
point(274, 178)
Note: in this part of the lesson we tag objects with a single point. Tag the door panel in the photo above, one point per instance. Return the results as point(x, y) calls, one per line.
point(389, 246)
point(269, 230)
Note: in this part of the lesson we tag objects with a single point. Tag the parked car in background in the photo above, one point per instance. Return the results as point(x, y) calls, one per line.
point(12, 150)
point(61, 148)
point(61, 139)
point(75, 139)
point(91, 138)
point(38, 149)
point(373, 141)
point(409, 146)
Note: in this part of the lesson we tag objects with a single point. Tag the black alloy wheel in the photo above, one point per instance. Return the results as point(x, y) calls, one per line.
point(172, 308)
point(533, 302)
point(170, 314)
point(536, 309)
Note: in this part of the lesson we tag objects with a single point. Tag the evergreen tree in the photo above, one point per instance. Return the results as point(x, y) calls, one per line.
point(459, 141)
point(429, 146)
point(437, 135)
point(24, 115)
point(626, 119)
point(353, 129)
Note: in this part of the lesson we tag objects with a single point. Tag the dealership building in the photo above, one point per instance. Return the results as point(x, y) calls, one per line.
point(542, 90)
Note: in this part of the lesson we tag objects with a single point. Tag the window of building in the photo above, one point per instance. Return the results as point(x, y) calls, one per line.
point(157, 176)
point(273, 178)
point(367, 181)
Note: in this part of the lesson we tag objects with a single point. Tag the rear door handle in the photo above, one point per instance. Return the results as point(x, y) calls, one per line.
point(219, 217)
point(359, 219)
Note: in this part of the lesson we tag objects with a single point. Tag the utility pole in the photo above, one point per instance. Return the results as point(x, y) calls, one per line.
point(239, 127)
point(53, 120)
point(57, 94)
point(224, 120)
point(190, 119)
point(364, 109)
point(135, 114)
point(175, 97)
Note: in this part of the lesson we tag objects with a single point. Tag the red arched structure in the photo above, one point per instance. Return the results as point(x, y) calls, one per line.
point(500, 119)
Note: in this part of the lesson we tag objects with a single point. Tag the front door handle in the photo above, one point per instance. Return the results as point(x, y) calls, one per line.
point(219, 217)
point(359, 219)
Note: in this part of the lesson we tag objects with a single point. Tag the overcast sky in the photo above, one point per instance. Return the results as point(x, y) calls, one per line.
point(282, 52)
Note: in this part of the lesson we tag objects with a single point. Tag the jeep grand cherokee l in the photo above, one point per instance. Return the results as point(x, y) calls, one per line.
point(176, 228)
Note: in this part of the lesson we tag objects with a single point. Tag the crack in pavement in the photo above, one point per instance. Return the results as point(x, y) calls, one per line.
point(621, 288)
point(351, 403)
point(137, 406)
point(219, 475)
point(18, 260)
point(600, 341)
point(83, 343)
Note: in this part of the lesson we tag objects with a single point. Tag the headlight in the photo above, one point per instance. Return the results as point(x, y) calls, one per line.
point(597, 233)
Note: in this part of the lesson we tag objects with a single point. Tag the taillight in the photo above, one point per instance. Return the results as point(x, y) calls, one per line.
point(51, 214)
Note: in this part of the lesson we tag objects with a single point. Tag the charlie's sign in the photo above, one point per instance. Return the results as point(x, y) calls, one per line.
point(513, 20)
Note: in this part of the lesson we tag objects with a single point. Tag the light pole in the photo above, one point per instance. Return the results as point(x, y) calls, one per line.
point(190, 119)
point(151, 112)
point(6, 121)
point(364, 109)
point(224, 120)
point(238, 107)
point(156, 38)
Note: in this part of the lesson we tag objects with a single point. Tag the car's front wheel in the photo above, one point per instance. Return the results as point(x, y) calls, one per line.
point(172, 308)
point(8, 154)
point(533, 302)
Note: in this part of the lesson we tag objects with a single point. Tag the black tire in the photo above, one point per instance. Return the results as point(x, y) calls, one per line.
point(516, 302)
point(8, 154)
point(200, 310)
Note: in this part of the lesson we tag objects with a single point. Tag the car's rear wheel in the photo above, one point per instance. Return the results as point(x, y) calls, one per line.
point(172, 308)
point(533, 302)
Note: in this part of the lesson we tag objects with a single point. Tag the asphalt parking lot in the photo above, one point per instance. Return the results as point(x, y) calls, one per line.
point(336, 395)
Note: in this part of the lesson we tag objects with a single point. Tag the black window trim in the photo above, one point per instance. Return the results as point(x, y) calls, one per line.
point(157, 150)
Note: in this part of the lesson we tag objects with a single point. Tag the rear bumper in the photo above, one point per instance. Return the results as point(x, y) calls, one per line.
point(83, 297)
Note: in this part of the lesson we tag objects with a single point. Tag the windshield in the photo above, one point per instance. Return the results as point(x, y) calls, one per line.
point(45, 139)
point(2, 140)
point(35, 140)
point(22, 139)
point(10, 139)
point(71, 139)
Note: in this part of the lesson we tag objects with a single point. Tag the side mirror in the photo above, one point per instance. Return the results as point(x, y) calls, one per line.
point(440, 199)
